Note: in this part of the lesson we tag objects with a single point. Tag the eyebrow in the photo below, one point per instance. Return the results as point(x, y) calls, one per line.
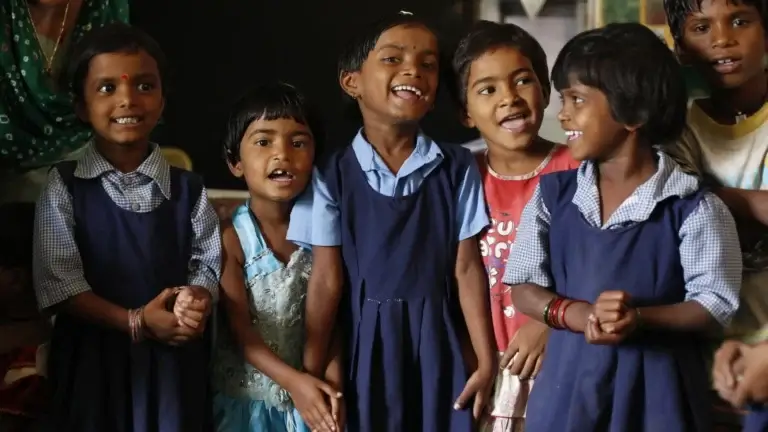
point(488, 79)
point(402, 48)
point(274, 132)
point(138, 76)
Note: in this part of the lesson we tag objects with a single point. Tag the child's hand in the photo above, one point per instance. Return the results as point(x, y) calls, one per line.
point(752, 386)
point(163, 325)
point(525, 352)
point(613, 314)
point(595, 335)
point(479, 385)
point(309, 396)
point(724, 371)
point(192, 307)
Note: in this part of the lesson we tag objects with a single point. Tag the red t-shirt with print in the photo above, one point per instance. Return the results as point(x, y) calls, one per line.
point(506, 198)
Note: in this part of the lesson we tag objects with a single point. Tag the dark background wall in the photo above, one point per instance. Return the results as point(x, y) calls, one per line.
point(219, 48)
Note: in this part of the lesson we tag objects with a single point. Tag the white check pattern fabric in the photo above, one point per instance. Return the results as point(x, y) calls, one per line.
point(709, 245)
point(58, 269)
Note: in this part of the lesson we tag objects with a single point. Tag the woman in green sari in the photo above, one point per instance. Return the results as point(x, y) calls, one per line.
point(38, 125)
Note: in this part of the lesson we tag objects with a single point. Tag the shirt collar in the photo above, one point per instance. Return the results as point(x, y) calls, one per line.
point(425, 150)
point(669, 180)
point(92, 165)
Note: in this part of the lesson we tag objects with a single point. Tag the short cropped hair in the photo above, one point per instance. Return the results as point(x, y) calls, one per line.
point(639, 75)
point(112, 38)
point(486, 36)
point(269, 102)
point(677, 12)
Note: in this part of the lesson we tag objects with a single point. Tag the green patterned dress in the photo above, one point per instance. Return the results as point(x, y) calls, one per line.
point(38, 125)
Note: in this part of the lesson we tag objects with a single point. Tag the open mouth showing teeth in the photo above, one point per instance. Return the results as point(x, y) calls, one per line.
point(280, 174)
point(572, 135)
point(513, 122)
point(406, 92)
point(726, 61)
point(127, 120)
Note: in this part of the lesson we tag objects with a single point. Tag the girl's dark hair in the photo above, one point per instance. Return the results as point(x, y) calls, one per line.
point(269, 102)
point(357, 51)
point(361, 45)
point(112, 38)
point(637, 72)
point(677, 12)
point(486, 36)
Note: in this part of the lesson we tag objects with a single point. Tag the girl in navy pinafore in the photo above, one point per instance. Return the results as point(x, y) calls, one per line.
point(406, 240)
point(594, 255)
point(115, 232)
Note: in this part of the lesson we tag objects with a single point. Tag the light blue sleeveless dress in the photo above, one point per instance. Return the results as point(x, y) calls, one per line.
point(245, 400)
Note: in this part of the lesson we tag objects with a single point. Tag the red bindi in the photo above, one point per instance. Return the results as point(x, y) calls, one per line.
point(124, 77)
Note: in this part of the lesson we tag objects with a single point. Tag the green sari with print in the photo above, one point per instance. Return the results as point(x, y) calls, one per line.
point(38, 125)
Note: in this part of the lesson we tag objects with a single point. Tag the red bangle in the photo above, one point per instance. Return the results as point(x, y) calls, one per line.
point(553, 312)
point(565, 324)
point(561, 317)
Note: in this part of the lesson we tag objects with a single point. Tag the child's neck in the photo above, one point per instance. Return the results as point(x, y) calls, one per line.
point(273, 213)
point(518, 162)
point(725, 105)
point(273, 218)
point(125, 158)
point(393, 142)
point(630, 167)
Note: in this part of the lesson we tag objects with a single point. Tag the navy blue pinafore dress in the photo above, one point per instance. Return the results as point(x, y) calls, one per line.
point(656, 381)
point(400, 313)
point(757, 419)
point(100, 380)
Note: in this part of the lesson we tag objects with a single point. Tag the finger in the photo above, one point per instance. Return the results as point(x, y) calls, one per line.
point(164, 295)
point(330, 391)
point(326, 421)
point(528, 367)
point(609, 306)
point(608, 317)
point(315, 423)
point(537, 366)
point(509, 355)
point(479, 405)
point(724, 361)
point(621, 296)
point(191, 315)
point(467, 393)
point(739, 395)
point(335, 411)
point(518, 361)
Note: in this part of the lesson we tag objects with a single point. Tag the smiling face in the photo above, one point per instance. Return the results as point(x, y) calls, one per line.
point(725, 40)
point(122, 97)
point(398, 81)
point(505, 101)
point(591, 131)
point(276, 158)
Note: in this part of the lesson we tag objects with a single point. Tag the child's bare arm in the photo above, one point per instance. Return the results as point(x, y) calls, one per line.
point(475, 303)
point(308, 393)
point(234, 298)
point(323, 296)
point(746, 204)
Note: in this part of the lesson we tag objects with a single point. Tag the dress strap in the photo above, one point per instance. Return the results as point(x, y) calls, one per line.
point(254, 246)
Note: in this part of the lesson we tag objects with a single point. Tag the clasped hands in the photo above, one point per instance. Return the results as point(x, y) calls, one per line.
point(178, 315)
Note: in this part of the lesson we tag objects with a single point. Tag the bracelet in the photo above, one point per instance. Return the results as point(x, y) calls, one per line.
point(565, 324)
point(136, 324)
point(551, 312)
